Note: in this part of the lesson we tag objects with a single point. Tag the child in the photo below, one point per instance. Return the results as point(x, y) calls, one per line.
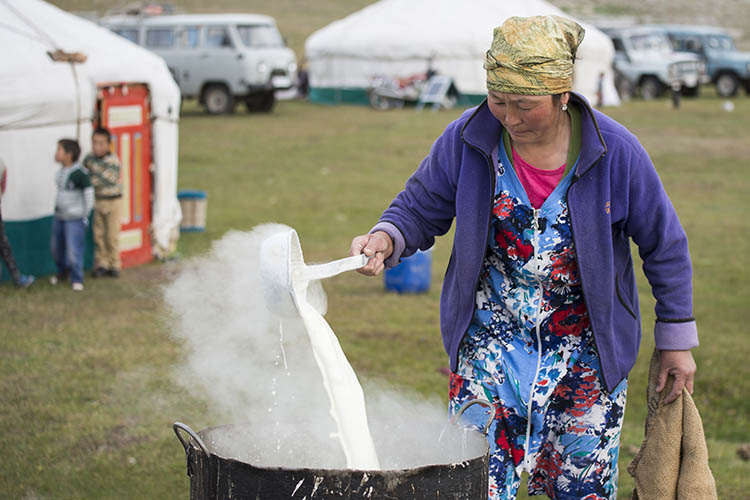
point(20, 280)
point(75, 199)
point(104, 168)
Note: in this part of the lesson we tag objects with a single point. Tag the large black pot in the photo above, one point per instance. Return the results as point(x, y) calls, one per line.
point(213, 477)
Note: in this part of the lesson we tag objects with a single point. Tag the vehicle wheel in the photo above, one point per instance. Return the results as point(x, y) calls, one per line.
point(269, 102)
point(261, 102)
point(381, 102)
point(650, 88)
point(691, 91)
point(624, 88)
point(218, 100)
point(727, 85)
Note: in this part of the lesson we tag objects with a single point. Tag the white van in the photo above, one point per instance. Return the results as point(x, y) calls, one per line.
point(219, 59)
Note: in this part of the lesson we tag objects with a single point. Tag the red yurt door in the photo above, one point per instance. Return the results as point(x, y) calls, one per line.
point(124, 110)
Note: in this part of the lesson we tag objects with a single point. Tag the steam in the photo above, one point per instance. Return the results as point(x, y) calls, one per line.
point(257, 371)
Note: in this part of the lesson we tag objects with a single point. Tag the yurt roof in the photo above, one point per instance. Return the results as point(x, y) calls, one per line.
point(34, 86)
point(420, 30)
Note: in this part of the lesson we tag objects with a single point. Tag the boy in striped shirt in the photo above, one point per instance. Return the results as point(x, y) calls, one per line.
point(104, 168)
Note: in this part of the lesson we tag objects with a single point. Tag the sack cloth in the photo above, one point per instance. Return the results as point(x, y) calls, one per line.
point(672, 463)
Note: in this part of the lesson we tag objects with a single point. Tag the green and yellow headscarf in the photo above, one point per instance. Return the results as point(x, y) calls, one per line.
point(533, 55)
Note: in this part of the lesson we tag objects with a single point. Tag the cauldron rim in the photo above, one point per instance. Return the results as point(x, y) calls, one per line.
point(213, 476)
point(203, 434)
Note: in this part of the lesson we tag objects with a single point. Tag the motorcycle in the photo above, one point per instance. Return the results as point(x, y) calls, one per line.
point(387, 92)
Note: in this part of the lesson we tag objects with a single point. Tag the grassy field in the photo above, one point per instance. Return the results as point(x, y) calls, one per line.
point(87, 385)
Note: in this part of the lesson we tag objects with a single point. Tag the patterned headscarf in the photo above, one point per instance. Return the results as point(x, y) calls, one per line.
point(533, 55)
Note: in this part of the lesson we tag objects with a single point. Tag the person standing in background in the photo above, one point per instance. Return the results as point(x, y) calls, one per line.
point(20, 280)
point(73, 204)
point(104, 168)
point(303, 81)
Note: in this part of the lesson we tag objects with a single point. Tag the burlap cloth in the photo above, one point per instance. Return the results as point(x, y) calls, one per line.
point(672, 463)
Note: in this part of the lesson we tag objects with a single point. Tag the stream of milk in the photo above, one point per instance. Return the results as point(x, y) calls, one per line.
point(344, 392)
point(341, 384)
point(259, 373)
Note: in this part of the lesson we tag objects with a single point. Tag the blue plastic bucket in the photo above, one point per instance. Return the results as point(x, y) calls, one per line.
point(193, 206)
point(411, 275)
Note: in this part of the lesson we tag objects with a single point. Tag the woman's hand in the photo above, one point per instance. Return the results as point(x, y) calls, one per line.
point(378, 246)
point(681, 365)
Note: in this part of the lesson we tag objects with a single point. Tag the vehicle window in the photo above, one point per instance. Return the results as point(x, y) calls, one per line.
point(190, 37)
point(650, 42)
point(720, 42)
point(160, 38)
point(130, 34)
point(618, 45)
point(217, 37)
point(260, 35)
point(693, 44)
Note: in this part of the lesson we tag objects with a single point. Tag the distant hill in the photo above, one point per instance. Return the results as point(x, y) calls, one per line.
point(298, 19)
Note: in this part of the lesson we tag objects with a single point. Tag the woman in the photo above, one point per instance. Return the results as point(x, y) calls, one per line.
point(539, 307)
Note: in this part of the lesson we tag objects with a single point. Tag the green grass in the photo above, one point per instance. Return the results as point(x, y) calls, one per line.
point(87, 386)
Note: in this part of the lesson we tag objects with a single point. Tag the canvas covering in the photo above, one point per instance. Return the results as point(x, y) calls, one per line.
point(399, 37)
point(42, 101)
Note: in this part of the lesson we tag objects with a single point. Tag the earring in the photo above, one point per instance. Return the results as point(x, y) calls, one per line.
point(564, 107)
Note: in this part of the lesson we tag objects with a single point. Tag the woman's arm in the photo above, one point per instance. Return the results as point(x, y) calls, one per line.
point(662, 244)
point(425, 208)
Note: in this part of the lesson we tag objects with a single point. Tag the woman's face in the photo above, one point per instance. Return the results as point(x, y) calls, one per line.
point(529, 119)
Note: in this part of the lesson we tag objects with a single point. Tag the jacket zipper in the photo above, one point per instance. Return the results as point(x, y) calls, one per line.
point(486, 234)
point(537, 329)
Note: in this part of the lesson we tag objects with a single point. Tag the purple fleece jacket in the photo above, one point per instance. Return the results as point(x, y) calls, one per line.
point(615, 195)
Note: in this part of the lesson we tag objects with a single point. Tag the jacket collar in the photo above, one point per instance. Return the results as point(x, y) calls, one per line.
point(593, 146)
point(482, 131)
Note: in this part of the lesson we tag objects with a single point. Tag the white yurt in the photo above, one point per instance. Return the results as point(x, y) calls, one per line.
point(401, 37)
point(60, 75)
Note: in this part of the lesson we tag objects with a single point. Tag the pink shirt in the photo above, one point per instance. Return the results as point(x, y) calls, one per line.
point(538, 183)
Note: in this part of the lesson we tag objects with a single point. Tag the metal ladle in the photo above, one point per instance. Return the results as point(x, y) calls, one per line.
point(285, 276)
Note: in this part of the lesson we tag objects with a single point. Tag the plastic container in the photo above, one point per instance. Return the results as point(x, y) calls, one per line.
point(193, 204)
point(411, 275)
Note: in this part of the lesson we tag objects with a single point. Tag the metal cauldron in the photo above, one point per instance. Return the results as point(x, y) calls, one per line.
point(213, 477)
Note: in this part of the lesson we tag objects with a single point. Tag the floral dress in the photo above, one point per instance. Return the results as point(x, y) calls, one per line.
point(530, 351)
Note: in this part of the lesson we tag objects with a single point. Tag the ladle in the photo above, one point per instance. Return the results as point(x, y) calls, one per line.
point(285, 279)
point(285, 276)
